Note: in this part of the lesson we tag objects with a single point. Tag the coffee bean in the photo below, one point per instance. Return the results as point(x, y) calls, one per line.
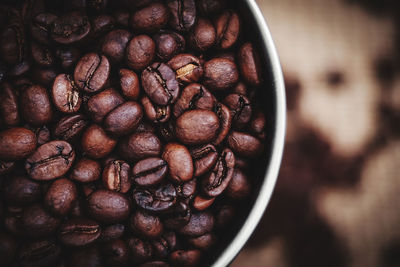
point(204, 158)
point(249, 63)
point(79, 232)
point(8, 248)
point(227, 26)
point(203, 242)
point(21, 190)
point(111, 232)
point(13, 43)
point(122, 17)
point(42, 55)
point(42, 135)
point(150, 18)
point(225, 118)
point(9, 105)
point(116, 253)
point(68, 57)
point(199, 224)
point(65, 94)
point(244, 144)
point(157, 199)
point(146, 225)
point(160, 84)
point(210, 7)
point(149, 171)
point(179, 160)
point(164, 245)
point(185, 258)
point(240, 89)
point(16, 143)
point(140, 145)
point(101, 104)
point(155, 113)
point(38, 223)
point(220, 74)
point(194, 96)
point(35, 105)
point(123, 119)
point(203, 36)
point(240, 108)
point(197, 127)
point(39, 253)
point(89, 256)
point(187, 67)
point(6, 167)
point(188, 189)
point(258, 124)
point(224, 215)
point(60, 196)
point(178, 216)
point(70, 127)
point(40, 27)
point(108, 206)
point(140, 52)
point(201, 203)
point(183, 14)
point(96, 143)
point(168, 44)
point(44, 76)
point(130, 84)
point(70, 28)
point(140, 250)
point(50, 161)
point(92, 72)
point(239, 187)
point(101, 25)
point(116, 176)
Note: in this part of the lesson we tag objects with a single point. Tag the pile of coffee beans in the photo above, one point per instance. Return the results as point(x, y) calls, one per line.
point(127, 130)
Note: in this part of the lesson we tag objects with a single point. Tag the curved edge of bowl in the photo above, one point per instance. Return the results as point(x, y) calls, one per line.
point(271, 175)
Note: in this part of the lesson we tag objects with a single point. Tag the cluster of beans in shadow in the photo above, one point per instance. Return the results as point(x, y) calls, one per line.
point(127, 130)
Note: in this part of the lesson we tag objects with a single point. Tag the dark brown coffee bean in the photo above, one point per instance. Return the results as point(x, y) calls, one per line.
point(116, 253)
point(224, 215)
point(140, 52)
point(9, 105)
point(220, 74)
point(77, 210)
point(240, 185)
point(35, 105)
point(43, 135)
point(44, 76)
point(257, 125)
point(50, 161)
point(16, 143)
point(196, 127)
point(240, 108)
point(140, 250)
point(164, 245)
point(70, 28)
point(117, 176)
point(185, 258)
point(178, 216)
point(60, 196)
point(183, 14)
point(90, 256)
point(149, 171)
point(68, 56)
point(203, 35)
point(42, 55)
point(160, 84)
point(187, 67)
point(70, 127)
point(204, 242)
point(140, 145)
point(199, 224)
point(150, 18)
point(241, 163)
point(38, 223)
point(79, 232)
point(101, 25)
point(13, 223)
point(155, 113)
point(194, 96)
point(13, 47)
point(124, 119)
point(8, 248)
point(156, 199)
point(146, 225)
point(65, 94)
point(188, 189)
point(101, 104)
point(204, 158)
point(41, 27)
point(218, 179)
point(96, 143)
point(250, 65)
point(225, 118)
point(92, 72)
point(89, 188)
point(209, 7)
point(122, 17)
point(240, 89)
point(21, 190)
point(179, 160)
point(167, 131)
point(245, 144)
point(227, 26)
point(6, 167)
point(201, 203)
point(39, 253)
point(108, 206)
point(130, 84)
point(168, 44)
point(155, 264)
point(111, 232)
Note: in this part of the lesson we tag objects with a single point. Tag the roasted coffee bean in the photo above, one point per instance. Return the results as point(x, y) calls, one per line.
point(187, 67)
point(96, 143)
point(194, 96)
point(16, 143)
point(114, 44)
point(89, 256)
point(50, 161)
point(250, 65)
point(6, 167)
point(218, 179)
point(44, 76)
point(108, 206)
point(167, 131)
point(188, 189)
point(89, 188)
point(101, 104)
point(257, 125)
point(155, 264)
point(117, 176)
point(8, 248)
point(77, 210)
point(225, 118)
point(239, 187)
point(70, 28)
point(146, 225)
point(21, 190)
point(140, 145)
point(156, 199)
point(13, 223)
point(204, 158)
point(65, 94)
point(130, 84)
point(185, 258)
point(42, 55)
point(150, 18)
point(24, 66)
point(240, 108)
point(224, 215)
point(60, 196)
point(123, 119)
point(36, 106)
point(101, 25)
point(68, 56)
point(178, 216)
point(13, 43)
point(201, 203)
point(41, 27)
point(39, 253)
point(79, 232)
point(149, 171)
point(220, 74)
point(244, 144)
point(203, 242)
point(9, 105)
point(160, 84)
point(199, 224)
point(70, 127)
point(140, 250)
point(183, 14)
point(98, 6)
point(197, 127)
point(203, 36)
point(38, 223)
point(155, 113)
point(43, 135)
point(116, 252)
point(210, 7)
point(140, 52)
point(92, 72)
point(179, 160)
point(240, 89)
point(227, 26)
point(168, 44)
point(111, 232)
point(122, 17)
point(164, 245)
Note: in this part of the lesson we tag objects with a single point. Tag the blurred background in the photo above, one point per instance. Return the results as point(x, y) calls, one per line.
point(337, 198)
